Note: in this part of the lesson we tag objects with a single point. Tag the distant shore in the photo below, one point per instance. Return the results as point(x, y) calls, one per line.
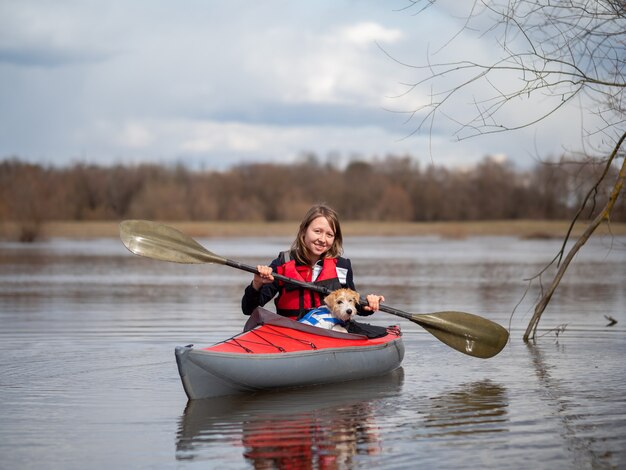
point(458, 230)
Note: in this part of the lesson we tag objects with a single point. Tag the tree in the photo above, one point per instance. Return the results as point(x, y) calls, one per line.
point(550, 53)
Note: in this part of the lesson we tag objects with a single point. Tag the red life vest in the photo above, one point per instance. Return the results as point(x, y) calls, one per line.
point(296, 301)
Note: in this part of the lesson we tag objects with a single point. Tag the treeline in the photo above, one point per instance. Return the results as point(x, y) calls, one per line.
point(389, 189)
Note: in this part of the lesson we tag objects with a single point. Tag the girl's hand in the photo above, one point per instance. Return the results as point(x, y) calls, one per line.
point(373, 302)
point(263, 277)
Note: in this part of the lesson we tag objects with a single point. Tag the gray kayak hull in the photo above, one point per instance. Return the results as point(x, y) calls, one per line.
point(275, 352)
point(207, 374)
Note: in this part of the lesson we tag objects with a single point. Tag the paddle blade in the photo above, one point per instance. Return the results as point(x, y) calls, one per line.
point(164, 243)
point(467, 333)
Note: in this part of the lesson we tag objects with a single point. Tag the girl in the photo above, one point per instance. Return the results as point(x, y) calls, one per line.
point(314, 257)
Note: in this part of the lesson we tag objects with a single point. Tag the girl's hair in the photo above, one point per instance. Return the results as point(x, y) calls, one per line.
point(302, 254)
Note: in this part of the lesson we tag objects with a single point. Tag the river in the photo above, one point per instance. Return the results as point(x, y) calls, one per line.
point(88, 377)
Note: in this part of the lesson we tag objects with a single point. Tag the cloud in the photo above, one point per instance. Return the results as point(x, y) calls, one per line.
point(306, 114)
point(222, 82)
point(231, 141)
point(364, 34)
point(328, 66)
point(44, 34)
point(48, 56)
point(136, 136)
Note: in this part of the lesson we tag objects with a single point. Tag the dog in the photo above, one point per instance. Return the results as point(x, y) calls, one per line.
point(341, 306)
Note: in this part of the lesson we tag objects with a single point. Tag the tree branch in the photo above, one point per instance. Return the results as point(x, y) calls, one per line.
point(603, 216)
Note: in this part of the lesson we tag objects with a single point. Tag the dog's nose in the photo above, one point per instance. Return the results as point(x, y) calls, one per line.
point(349, 311)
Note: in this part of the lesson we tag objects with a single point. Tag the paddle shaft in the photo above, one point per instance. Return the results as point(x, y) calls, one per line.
point(280, 277)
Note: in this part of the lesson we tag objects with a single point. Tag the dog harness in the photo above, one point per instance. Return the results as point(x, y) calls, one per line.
point(321, 317)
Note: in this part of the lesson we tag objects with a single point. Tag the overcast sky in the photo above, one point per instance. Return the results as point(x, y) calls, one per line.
point(215, 83)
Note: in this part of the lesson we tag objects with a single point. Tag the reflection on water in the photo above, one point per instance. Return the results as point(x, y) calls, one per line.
point(573, 422)
point(479, 407)
point(331, 426)
point(314, 427)
point(330, 438)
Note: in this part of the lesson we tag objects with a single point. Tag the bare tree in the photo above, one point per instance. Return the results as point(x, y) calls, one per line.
point(556, 50)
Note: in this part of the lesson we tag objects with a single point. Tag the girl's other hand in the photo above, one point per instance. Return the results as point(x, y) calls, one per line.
point(373, 302)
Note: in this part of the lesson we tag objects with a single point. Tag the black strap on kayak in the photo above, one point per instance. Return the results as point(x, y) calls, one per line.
point(283, 335)
point(248, 350)
point(280, 348)
point(271, 331)
point(234, 340)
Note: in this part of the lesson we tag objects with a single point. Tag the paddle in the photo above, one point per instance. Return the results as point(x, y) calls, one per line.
point(465, 332)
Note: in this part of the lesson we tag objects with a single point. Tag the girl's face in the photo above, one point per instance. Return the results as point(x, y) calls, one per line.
point(319, 238)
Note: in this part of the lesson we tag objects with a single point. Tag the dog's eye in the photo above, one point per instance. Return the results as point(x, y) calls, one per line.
point(340, 302)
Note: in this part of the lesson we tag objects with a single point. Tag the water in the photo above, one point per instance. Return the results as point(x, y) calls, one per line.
point(88, 377)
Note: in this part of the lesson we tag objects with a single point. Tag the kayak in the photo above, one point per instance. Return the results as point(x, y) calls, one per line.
point(276, 352)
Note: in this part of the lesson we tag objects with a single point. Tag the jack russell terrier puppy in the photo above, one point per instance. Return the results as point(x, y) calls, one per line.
point(341, 306)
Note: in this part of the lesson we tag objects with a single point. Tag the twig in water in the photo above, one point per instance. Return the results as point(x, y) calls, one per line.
point(557, 331)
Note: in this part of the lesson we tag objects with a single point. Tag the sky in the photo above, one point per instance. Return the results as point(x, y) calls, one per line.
point(213, 84)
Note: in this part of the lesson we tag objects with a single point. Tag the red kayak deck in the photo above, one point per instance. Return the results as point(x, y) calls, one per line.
point(270, 339)
point(272, 334)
